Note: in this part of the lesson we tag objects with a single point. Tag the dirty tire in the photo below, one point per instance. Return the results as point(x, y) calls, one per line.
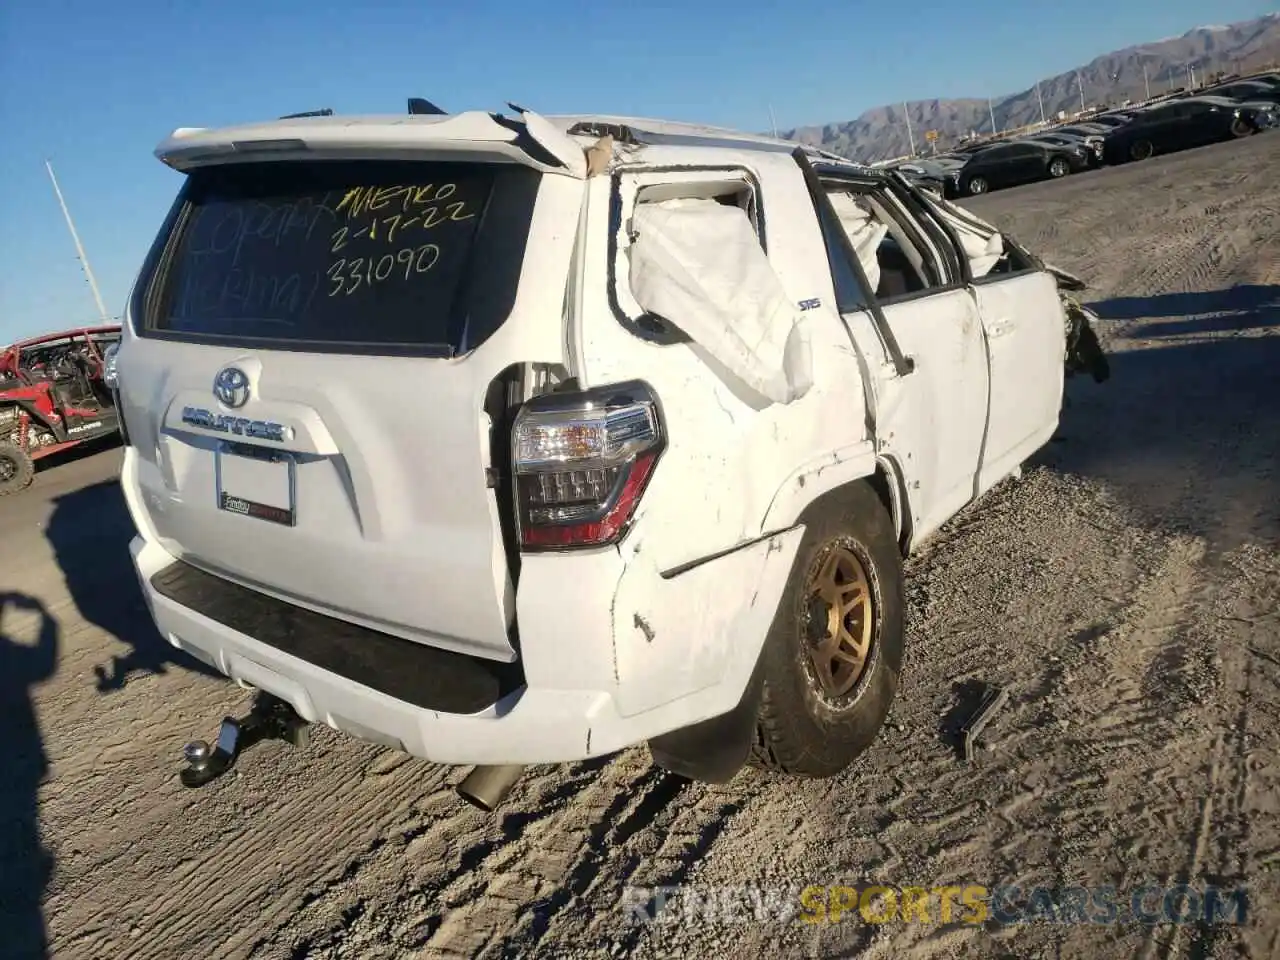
point(1239, 128)
point(799, 731)
point(1058, 168)
point(16, 469)
point(1141, 150)
point(976, 186)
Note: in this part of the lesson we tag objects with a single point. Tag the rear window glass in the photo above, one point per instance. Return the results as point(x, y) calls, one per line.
point(375, 256)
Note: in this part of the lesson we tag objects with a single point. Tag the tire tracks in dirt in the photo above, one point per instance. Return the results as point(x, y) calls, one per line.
point(525, 893)
point(399, 897)
point(1221, 844)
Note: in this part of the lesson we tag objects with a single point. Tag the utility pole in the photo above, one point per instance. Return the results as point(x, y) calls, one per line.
point(1146, 81)
point(75, 237)
point(773, 121)
point(1039, 98)
point(910, 136)
point(1080, 84)
point(993, 116)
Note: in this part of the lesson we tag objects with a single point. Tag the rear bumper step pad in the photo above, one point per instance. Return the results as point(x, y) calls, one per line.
point(423, 676)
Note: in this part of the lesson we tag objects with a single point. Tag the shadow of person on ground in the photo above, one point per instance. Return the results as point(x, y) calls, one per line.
point(1211, 311)
point(89, 530)
point(1188, 433)
point(25, 866)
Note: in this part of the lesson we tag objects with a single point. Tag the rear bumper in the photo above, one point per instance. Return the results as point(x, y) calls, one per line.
point(603, 669)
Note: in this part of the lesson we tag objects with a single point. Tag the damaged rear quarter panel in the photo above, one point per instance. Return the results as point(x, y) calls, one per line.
point(704, 627)
point(727, 455)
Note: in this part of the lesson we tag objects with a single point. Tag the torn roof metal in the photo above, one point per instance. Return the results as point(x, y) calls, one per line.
point(642, 131)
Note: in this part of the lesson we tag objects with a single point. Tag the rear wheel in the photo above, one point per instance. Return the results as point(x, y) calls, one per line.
point(976, 185)
point(1141, 150)
point(16, 469)
point(833, 655)
point(1059, 167)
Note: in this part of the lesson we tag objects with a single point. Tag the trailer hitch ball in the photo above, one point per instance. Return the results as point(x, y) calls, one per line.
point(270, 718)
point(196, 754)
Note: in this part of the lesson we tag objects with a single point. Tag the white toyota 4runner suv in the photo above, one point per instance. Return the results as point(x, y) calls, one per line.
point(507, 439)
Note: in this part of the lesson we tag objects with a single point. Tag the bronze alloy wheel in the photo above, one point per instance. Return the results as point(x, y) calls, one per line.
point(830, 665)
point(840, 620)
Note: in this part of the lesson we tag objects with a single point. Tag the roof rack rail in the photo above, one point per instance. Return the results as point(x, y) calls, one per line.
point(626, 134)
point(326, 112)
point(419, 106)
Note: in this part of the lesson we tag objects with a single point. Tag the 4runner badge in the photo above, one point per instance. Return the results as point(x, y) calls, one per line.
point(239, 426)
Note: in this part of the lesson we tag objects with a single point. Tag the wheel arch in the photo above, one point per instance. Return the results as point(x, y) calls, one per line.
point(713, 750)
point(825, 485)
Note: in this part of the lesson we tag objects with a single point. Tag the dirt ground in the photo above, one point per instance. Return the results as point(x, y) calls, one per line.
point(1126, 589)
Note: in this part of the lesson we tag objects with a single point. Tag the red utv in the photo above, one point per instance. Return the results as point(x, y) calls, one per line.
point(52, 398)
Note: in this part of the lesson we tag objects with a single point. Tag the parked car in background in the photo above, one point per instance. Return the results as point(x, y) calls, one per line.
point(1247, 91)
point(1090, 129)
point(1025, 161)
point(1108, 121)
point(1092, 142)
point(968, 149)
point(937, 173)
point(1185, 123)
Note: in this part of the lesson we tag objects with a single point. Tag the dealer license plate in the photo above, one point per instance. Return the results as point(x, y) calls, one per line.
point(258, 483)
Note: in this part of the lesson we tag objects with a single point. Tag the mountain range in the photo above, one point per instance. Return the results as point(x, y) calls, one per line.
point(1110, 79)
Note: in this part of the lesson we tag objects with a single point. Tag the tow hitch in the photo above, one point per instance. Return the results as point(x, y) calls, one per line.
point(270, 719)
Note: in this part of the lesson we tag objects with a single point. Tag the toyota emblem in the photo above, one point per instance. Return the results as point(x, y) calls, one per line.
point(231, 387)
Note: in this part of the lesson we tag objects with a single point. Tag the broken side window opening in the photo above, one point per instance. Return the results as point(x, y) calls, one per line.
point(699, 263)
point(985, 247)
point(740, 195)
point(853, 293)
point(909, 237)
point(730, 186)
point(896, 259)
point(944, 243)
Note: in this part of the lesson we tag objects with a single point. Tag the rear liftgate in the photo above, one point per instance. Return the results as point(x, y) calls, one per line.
point(263, 486)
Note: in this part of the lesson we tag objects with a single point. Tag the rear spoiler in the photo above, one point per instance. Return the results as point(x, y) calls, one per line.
point(531, 140)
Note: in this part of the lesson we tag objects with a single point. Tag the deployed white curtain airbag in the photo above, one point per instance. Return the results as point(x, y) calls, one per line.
point(699, 265)
point(982, 243)
point(864, 231)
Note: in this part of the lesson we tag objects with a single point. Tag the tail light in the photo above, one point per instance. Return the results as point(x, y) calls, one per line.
point(581, 462)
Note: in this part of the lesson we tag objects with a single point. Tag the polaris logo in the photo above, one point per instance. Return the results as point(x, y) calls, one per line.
point(85, 428)
point(239, 426)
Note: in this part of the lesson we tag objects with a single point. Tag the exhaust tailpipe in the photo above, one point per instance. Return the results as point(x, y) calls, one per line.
point(485, 787)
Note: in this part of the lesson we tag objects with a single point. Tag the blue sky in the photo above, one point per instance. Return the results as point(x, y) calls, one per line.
point(94, 86)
